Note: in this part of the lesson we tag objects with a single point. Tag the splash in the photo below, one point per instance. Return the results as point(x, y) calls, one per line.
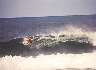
point(68, 32)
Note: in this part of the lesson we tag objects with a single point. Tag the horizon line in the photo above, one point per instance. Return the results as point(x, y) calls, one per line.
point(47, 16)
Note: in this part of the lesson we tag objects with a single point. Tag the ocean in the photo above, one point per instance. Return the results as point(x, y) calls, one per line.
point(48, 43)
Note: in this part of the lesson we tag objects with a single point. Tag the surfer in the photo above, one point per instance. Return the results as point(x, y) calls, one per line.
point(27, 40)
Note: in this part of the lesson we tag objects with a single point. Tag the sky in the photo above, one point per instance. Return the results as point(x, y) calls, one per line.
point(36, 8)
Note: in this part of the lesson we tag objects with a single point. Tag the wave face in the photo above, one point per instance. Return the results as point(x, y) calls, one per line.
point(64, 47)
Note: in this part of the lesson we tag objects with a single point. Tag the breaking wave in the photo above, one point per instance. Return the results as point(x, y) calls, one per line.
point(71, 48)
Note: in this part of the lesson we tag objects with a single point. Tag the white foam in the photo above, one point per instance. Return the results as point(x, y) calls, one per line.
point(49, 62)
